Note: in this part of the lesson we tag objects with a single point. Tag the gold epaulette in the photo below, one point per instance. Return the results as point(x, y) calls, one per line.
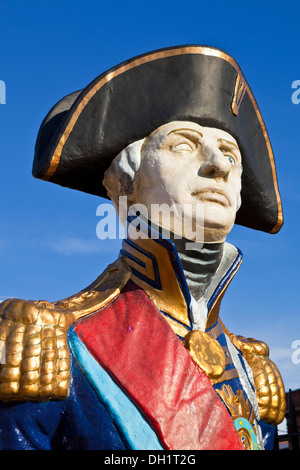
point(268, 383)
point(34, 351)
point(35, 354)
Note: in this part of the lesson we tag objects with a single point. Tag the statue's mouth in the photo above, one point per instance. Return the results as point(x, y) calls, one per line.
point(214, 195)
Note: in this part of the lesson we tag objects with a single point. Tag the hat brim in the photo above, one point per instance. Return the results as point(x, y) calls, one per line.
point(86, 130)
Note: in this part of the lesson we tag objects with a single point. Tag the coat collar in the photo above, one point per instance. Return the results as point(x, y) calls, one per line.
point(155, 266)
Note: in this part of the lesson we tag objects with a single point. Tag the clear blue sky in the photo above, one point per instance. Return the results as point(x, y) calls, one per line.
point(48, 244)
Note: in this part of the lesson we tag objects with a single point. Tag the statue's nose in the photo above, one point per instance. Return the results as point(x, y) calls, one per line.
point(214, 163)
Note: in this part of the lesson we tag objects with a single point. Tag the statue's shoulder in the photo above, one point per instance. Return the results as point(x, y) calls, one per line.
point(34, 350)
point(35, 359)
point(268, 383)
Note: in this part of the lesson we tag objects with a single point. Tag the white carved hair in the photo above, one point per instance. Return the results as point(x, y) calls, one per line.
point(119, 178)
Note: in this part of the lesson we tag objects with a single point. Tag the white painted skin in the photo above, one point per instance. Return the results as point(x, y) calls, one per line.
point(183, 165)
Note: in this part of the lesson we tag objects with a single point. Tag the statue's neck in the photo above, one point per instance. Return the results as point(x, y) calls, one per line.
point(199, 263)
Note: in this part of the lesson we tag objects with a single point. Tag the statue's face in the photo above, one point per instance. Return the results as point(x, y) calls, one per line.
point(184, 165)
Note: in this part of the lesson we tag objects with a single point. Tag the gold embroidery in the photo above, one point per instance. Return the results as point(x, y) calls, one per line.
point(242, 414)
point(236, 404)
point(268, 383)
point(226, 376)
point(169, 299)
point(104, 289)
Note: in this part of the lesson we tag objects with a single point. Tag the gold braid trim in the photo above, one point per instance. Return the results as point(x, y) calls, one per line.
point(34, 351)
point(268, 383)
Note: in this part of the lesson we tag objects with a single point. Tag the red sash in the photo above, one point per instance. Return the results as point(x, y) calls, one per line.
point(132, 341)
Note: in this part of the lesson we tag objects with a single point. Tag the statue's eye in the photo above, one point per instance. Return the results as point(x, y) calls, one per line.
point(231, 159)
point(183, 147)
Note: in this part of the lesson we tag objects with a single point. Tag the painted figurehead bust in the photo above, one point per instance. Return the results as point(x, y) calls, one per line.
point(141, 359)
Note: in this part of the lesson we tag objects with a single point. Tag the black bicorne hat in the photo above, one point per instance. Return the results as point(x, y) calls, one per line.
point(86, 130)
